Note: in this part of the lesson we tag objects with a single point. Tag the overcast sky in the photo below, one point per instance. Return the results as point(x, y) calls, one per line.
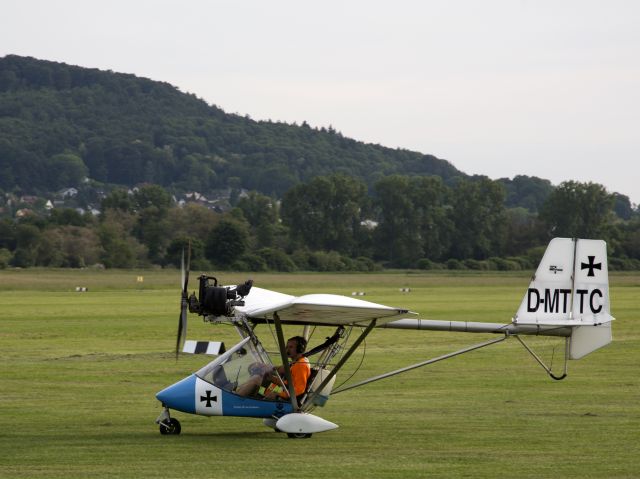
point(546, 88)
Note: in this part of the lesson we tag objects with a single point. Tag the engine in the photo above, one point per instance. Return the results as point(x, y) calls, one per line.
point(215, 300)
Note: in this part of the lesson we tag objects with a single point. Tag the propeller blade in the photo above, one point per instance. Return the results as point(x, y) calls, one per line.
point(182, 324)
point(185, 280)
point(182, 319)
point(182, 273)
point(179, 335)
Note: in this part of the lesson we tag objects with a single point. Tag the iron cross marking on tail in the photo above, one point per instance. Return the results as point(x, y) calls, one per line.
point(591, 266)
point(208, 398)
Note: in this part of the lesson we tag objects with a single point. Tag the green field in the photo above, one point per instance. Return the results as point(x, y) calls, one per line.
point(80, 371)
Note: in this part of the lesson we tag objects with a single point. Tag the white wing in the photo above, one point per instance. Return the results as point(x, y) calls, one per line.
point(323, 309)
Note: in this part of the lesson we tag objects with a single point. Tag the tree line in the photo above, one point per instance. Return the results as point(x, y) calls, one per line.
point(318, 201)
point(330, 223)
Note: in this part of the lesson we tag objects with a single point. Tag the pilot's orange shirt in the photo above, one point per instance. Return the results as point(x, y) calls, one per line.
point(300, 372)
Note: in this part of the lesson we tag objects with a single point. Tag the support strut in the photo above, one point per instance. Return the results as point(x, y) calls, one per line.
point(421, 364)
point(285, 362)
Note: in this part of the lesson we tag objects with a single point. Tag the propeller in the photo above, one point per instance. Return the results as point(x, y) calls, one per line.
point(182, 319)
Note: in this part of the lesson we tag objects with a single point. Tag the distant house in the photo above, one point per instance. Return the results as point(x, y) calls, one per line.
point(68, 193)
point(24, 212)
point(29, 200)
point(369, 224)
point(11, 199)
point(195, 196)
point(48, 205)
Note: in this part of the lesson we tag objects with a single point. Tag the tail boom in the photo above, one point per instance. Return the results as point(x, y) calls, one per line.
point(477, 327)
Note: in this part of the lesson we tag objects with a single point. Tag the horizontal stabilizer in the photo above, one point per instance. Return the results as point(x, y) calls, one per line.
point(203, 347)
point(586, 339)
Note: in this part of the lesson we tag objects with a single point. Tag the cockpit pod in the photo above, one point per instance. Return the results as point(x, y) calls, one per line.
point(210, 391)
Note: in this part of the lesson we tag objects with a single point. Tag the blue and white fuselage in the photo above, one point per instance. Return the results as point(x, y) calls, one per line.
point(196, 396)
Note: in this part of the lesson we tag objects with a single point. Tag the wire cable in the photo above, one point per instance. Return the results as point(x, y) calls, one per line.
point(364, 352)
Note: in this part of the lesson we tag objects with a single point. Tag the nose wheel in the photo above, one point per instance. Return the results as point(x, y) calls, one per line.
point(168, 425)
point(173, 427)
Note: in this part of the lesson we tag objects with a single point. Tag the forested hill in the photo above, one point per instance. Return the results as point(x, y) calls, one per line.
point(59, 123)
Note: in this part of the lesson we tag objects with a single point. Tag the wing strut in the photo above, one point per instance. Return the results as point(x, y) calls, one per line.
point(285, 362)
point(309, 401)
point(419, 365)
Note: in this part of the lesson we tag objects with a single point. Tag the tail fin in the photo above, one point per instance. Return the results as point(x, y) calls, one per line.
point(571, 288)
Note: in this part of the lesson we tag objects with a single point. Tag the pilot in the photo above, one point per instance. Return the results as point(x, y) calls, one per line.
point(275, 388)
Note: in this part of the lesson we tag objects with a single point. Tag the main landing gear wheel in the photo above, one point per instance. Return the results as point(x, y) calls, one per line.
point(298, 435)
point(172, 428)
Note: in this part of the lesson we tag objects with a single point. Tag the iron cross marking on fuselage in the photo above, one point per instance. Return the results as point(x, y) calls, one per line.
point(208, 398)
point(591, 266)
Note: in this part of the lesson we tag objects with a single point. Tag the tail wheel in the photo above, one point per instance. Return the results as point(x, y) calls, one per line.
point(300, 435)
point(172, 428)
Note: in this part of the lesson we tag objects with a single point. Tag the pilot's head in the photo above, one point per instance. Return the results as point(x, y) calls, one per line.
point(296, 346)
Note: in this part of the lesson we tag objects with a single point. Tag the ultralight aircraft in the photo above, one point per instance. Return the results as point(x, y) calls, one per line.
point(568, 297)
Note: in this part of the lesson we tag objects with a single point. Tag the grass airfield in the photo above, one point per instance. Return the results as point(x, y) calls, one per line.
point(80, 371)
